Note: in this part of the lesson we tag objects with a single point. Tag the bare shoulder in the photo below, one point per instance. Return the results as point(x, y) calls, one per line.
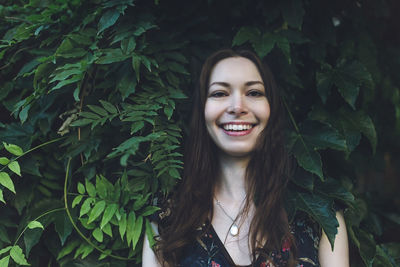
point(149, 258)
point(340, 255)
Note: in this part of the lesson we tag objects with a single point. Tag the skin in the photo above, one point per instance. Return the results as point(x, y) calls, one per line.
point(237, 94)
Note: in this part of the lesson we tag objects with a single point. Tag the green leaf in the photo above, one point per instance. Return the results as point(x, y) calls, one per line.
point(81, 122)
point(35, 224)
point(18, 256)
point(126, 85)
point(322, 136)
point(122, 225)
point(14, 167)
point(367, 246)
point(6, 181)
point(107, 20)
point(4, 160)
point(4, 261)
point(149, 210)
point(321, 210)
point(174, 173)
point(97, 211)
point(6, 249)
point(292, 12)
point(1, 196)
point(98, 234)
point(89, 115)
point(245, 34)
point(13, 149)
point(68, 248)
point(81, 188)
point(76, 201)
point(324, 84)
point(85, 208)
point(137, 231)
point(31, 238)
point(128, 45)
point(99, 110)
point(63, 226)
point(137, 126)
point(264, 44)
point(109, 107)
point(91, 190)
point(108, 214)
point(107, 230)
point(130, 223)
point(150, 233)
point(306, 156)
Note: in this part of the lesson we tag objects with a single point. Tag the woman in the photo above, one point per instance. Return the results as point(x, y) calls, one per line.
point(229, 208)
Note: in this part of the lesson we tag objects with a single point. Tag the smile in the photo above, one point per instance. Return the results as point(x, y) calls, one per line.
point(237, 128)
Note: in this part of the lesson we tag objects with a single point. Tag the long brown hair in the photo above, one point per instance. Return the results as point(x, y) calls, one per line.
point(266, 175)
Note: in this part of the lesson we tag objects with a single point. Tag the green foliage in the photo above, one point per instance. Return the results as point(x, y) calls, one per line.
point(112, 79)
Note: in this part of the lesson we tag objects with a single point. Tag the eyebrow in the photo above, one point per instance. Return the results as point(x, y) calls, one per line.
point(224, 84)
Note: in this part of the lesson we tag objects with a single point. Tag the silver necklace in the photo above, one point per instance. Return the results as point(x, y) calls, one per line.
point(234, 230)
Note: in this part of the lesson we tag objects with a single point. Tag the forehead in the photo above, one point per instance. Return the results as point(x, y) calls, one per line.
point(235, 69)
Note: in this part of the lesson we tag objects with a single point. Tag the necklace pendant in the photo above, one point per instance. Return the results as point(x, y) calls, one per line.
point(234, 230)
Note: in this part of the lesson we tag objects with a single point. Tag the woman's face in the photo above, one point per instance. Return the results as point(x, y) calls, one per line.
point(236, 109)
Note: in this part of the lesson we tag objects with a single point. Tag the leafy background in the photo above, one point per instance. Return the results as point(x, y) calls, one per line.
point(95, 97)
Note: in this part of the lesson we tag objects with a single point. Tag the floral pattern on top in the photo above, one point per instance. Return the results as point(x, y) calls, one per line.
point(209, 251)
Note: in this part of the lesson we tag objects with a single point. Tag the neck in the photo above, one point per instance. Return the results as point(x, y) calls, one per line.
point(231, 184)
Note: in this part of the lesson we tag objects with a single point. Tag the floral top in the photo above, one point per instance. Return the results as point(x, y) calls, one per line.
point(209, 251)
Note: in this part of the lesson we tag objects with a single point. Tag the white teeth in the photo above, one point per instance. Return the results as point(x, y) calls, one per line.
point(237, 127)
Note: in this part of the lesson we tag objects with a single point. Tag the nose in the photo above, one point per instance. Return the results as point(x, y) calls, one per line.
point(237, 105)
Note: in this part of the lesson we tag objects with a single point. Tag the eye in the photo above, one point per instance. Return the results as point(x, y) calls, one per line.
point(218, 94)
point(255, 93)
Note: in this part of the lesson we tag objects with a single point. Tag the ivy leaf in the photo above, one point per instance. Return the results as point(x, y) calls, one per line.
point(85, 208)
point(292, 12)
point(98, 234)
point(18, 256)
point(76, 201)
point(245, 34)
point(109, 107)
point(126, 85)
point(149, 210)
point(130, 223)
point(31, 238)
point(307, 157)
point(322, 136)
point(2, 197)
point(321, 210)
point(149, 233)
point(35, 224)
point(4, 261)
point(367, 246)
point(6, 181)
point(81, 188)
point(303, 179)
point(91, 190)
point(67, 249)
point(264, 44)
point(4, 160)
point(122, 225)
point(107, 230)
point(333, 189)
point(137, 231)
point(324, 84)
point(15, 168)
point(108, 214)
point(101, 111)
point(6, 249)
point(97, 211)
point(63, 227)
point(107, 20)
point(13, 149)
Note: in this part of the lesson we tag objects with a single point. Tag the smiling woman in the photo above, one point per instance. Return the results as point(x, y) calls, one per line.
point(228, 210)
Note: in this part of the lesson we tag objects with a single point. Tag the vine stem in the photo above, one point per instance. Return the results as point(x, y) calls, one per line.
point(76, 227)
point(37, 218)
point(32, 149)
